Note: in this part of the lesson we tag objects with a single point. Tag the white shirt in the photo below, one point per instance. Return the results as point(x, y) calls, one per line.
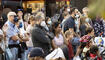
point(55, 54)
point(22, 30)
point(29, 30)
point(59, 41)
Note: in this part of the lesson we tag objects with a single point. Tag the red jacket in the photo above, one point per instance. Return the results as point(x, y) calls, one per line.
point(71, 54)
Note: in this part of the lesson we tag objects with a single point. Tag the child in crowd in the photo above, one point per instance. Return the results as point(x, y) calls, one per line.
point(69, 36)
point(93, 53)
point(84, 46)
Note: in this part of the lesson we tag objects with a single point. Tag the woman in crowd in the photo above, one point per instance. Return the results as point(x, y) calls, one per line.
point(48, 22)
point(29, 31)
point(83, 26)
point(85, 11)
point(58, 39)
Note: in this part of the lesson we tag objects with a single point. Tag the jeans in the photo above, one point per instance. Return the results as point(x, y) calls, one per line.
point(14, 52)
point(27, 52)
point(24, 56)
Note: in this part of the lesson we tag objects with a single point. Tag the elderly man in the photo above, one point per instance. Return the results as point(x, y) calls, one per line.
point(12, 35)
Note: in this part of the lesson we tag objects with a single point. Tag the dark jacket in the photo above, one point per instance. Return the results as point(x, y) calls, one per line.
point(69, 23)
point(41, 39)
point(83, 29)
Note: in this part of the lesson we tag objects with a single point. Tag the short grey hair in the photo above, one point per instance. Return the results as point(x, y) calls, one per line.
point(37, 18)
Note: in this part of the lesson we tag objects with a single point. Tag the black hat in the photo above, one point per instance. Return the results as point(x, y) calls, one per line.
point(37, 52)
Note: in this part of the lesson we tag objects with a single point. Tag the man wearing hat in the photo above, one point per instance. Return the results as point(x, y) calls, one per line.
point(12, 34)
point(36, 54)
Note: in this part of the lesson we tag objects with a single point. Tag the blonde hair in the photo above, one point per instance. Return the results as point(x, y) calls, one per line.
point(82, 20)
point(32, 18)
point(67, 33)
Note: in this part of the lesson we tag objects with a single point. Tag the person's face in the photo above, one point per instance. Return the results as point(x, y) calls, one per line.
point(92, 33)
point(85, 11)
point(58, 29)
point(49, 22)
point(70, 36)
point(74, 14)
point(76, 10)
point(20, 13)
point(33, 22)
point(11, 18)
point(49, 19)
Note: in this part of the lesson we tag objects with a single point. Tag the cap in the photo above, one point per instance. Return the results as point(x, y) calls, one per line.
point(37, 52)
point(11, 13)
point(20, 9)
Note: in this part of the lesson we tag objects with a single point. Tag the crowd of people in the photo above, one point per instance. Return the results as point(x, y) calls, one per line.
point(33, 36)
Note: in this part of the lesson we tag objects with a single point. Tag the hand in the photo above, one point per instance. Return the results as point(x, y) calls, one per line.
point(78, 51)
point(62, 32)
point(15, 38)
